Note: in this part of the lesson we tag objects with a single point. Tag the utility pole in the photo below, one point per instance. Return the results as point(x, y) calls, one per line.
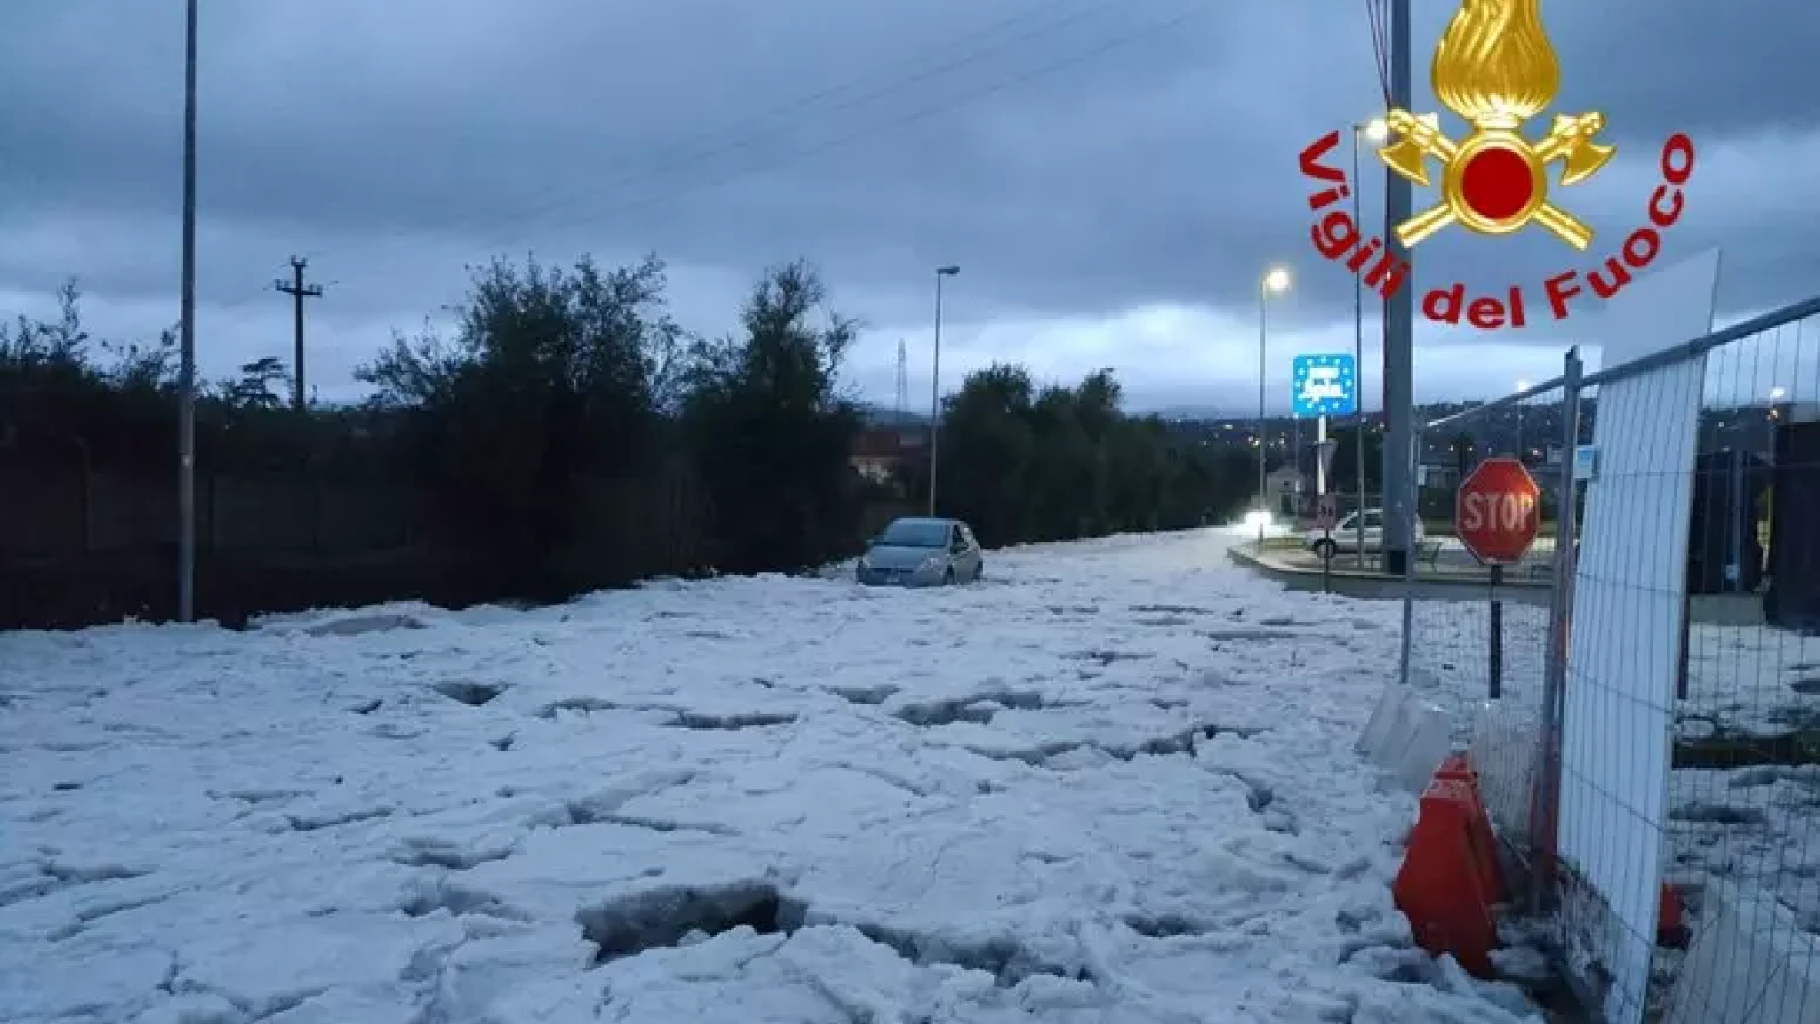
point(298, 291)
point(1399, 328)
point(186, 333)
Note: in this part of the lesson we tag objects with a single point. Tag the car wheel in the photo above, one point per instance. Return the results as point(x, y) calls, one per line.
point(1325, 548)
point(948, 577)
point(979, 571)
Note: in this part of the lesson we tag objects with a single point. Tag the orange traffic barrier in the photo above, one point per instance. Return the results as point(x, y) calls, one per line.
point(1478, 822)
point(1450, 880)
point(1457, 767)
point(1671, 924)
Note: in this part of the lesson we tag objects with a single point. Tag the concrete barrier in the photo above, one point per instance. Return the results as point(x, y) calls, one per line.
point(1750, 963)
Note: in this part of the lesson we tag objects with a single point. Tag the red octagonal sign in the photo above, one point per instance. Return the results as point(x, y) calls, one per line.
point(1498, 510)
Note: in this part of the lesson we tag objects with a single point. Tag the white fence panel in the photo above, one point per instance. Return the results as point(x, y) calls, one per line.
point(1624, 653)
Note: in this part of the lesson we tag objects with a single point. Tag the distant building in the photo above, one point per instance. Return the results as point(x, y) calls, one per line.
point(879, 451)
point(1285, 487)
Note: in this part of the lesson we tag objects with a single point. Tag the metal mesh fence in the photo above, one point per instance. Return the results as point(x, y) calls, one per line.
point(1642, 694)
point(1738, 690)
point(1478, 620)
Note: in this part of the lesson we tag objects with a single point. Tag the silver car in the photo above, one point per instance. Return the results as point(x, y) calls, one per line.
point(921, 552)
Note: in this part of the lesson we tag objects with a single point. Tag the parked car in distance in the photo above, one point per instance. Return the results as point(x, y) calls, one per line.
point(920, 551)
point(1345, 535)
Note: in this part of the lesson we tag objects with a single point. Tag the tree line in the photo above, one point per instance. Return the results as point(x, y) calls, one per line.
point(1027, 462)
point(552, 383)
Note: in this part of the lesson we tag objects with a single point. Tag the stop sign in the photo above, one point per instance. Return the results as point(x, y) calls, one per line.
point(1498, 510)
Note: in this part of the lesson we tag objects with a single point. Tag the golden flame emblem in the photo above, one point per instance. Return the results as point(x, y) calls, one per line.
point(1496, 69)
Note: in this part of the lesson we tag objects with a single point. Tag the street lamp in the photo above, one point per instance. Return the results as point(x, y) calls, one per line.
point(1522, 386)
point(935, 382)
point(186, 347)
point(1375, 131)
point(1275, 281)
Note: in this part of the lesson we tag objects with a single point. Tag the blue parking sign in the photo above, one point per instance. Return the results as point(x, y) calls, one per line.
point(1323, 385)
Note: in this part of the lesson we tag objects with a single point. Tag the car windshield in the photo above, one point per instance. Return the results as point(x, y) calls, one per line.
point(911, 533)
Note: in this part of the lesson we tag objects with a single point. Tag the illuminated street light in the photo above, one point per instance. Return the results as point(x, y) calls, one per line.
point(1376, 130)
point(1522, 386)
point(1274, 282)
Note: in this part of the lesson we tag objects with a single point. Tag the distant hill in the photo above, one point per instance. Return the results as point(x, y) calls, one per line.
point(1195, 412)
point(880, 416)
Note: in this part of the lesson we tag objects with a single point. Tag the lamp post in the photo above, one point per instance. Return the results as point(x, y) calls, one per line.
point(186, 373)
point(935, 384)
point(1375, 131)
point(1522, 386)
point(1274, 281)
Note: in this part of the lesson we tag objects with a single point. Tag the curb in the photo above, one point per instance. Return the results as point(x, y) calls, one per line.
point(1709, 609)
point(1354, 583)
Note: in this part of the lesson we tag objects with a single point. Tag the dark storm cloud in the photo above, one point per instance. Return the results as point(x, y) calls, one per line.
point(1077, 158)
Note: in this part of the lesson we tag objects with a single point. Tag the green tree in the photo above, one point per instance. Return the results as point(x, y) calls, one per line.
point(768, 431)
point(258, 386)
point(1068, 462)
point(987, 452)
point(550, 380)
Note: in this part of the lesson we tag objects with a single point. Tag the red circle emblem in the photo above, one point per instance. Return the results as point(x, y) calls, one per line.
point(1496, 183)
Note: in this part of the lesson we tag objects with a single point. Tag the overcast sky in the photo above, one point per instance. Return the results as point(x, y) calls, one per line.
point(1111, 175)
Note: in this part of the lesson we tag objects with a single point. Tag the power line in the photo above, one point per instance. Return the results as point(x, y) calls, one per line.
point(919, 114)
point(672, 152)
point(876, 127)
point(691, 150)
point(752, 138)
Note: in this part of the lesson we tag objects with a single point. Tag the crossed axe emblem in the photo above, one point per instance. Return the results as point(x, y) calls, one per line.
point(1569, 140)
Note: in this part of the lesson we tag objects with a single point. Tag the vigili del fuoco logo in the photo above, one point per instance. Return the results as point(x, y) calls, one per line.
point(1496, 68)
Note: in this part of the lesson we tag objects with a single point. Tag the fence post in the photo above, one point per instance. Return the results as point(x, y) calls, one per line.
point(1495, 670)
point(1545, 798)
point(1414, 507)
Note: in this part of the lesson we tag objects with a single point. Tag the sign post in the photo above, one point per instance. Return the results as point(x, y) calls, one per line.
point(1327, 512)
point(1323, 386)
point(1497, 514)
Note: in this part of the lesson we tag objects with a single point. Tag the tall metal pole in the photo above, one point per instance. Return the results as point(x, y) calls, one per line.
point(1399, 328)
point(186, 379)
point(1358, 364)
point(1320, 457)
point(935, 385)
point(935, 397)
point(1263, 424)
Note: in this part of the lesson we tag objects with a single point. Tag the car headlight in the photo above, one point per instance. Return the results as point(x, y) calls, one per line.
point(931, 563)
